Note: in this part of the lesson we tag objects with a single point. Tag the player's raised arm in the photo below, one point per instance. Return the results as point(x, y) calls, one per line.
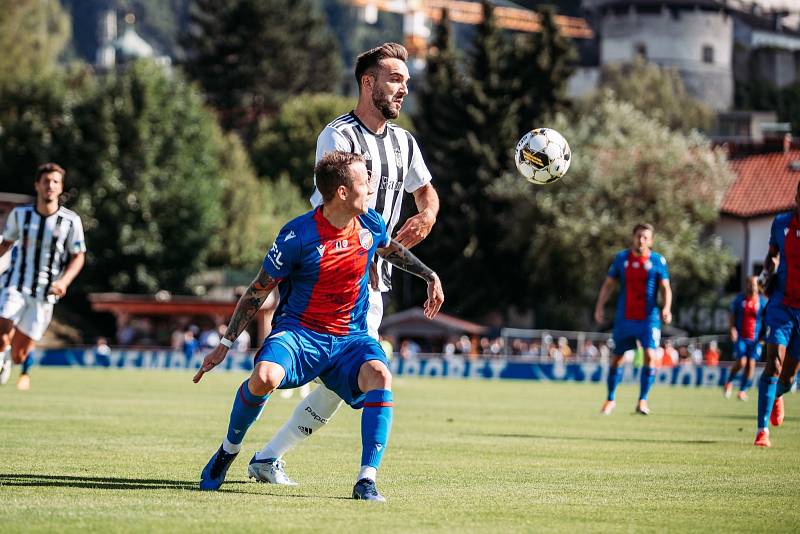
point(247, 307)
point(402, 258)
point(418, 227)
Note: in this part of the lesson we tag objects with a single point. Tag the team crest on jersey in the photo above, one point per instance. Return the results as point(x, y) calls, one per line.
point(398, 158)
point(648, 265)
point(365, 238)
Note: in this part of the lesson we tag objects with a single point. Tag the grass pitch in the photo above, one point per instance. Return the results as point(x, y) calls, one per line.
point(121, 451)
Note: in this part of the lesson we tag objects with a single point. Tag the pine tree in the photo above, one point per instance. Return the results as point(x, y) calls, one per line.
point(250, 55)
point(536, 74)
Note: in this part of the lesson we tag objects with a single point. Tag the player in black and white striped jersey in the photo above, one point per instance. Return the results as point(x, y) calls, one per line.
point(47, 253)
point(393, 154)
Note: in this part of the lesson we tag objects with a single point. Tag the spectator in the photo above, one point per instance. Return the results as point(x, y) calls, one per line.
point(190, 343)
point(670, 356)
point(712, 354)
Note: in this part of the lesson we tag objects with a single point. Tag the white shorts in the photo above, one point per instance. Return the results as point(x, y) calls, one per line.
point(29, 315)
point(375, 312)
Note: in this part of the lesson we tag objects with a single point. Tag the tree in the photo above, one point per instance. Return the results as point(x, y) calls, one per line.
point(657, 92)
point(251, 55)
point(287, 143)
point(539, 66)
point(626, 168)
point(255, 210)
point(32, 36)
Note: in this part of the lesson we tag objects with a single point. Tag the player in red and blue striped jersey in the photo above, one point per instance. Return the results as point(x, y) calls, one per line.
point(641, 272)
point(747, 313)
point(782, 320)
point(320, 263)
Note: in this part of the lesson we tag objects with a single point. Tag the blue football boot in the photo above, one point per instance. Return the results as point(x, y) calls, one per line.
point(213, 474)
point(365, 490)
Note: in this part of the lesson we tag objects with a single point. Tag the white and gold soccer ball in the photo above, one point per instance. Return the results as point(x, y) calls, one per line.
point(542, 156)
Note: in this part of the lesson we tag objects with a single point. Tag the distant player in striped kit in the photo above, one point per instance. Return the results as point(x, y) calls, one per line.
point(747, 313)
point(782, 320)
point(320, 263)
point(47, 253)
point(641, 273)
point(394, 158)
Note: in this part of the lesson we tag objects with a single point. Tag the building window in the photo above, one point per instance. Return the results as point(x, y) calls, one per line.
point(708, 54)
point(640, 50)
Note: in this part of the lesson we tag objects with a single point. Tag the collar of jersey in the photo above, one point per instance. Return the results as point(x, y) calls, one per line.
point(380, 135)
point(320, 218)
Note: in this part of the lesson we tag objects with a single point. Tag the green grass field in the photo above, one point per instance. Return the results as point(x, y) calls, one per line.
point(112, 450)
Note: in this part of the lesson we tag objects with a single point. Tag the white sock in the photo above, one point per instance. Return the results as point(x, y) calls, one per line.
point(231, 448)
point(763, 429)
point(311, 414)
point(367, 471)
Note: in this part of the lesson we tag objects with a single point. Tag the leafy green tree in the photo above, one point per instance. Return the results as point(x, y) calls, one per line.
point(32, 36)
point(150, 195)
point(287, 143)
point(657, 92)
point(626, 168)
point(251, 55)
point(255, 210)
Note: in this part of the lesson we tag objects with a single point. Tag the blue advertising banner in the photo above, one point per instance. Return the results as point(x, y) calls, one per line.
point(447, 367)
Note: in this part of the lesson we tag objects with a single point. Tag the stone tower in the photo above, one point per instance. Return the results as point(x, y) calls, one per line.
point(693, 36)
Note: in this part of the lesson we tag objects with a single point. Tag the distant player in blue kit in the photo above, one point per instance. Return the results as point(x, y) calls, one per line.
point(640, 273)
point(782, 320)
point(320, 262)
point(747, 313)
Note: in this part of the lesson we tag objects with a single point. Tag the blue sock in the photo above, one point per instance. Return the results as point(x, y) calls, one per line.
point(613, 380)
point(376, 423)
point(646, 379)
point(26, 365)
point(767, 387)
point(747, 383)
point(246, 409)
point(782, 388)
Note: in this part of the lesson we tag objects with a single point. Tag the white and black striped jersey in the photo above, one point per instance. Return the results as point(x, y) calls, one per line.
point(394, 155)
point(42, 249)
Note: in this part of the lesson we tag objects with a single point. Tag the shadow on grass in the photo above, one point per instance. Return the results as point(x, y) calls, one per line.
point(620, 440)
point(114, 483)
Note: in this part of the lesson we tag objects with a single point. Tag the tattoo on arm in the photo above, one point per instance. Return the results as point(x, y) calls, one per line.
point(249, 304)
point(404, 259)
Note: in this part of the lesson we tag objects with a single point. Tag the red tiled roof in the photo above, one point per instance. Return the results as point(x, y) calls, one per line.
point(765, 184)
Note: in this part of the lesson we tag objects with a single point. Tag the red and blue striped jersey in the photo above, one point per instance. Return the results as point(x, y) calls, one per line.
point(747, 314)
point(323, 272)
point(639, 278)
point(785, 235)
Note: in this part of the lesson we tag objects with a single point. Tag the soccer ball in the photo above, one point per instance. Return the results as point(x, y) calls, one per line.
point(542, 156)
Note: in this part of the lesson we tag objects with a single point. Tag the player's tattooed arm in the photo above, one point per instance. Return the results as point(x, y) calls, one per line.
point(402, 258)
point(249, 304)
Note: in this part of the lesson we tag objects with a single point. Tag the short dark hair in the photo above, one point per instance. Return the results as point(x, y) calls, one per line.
point(47, 168)
point(333, 170)
point(371, 58)
point(643, 226)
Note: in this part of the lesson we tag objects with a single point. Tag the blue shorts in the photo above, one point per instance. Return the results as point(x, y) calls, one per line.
point(336, 360)
point(626, 333)
point(783, 327)
point(746, 348)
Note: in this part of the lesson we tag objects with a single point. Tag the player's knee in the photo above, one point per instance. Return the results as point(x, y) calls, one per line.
point(266, 379)
point(374, 375)
point(18, 355)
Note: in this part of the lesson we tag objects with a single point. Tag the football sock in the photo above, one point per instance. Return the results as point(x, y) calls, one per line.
point(613, 380)
point(246, 409)
point(311, 414)
point(26, 365)
point(376, 423)
point(782, 388)
point(646, 379)
point(767, 388)
point(747, 383)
